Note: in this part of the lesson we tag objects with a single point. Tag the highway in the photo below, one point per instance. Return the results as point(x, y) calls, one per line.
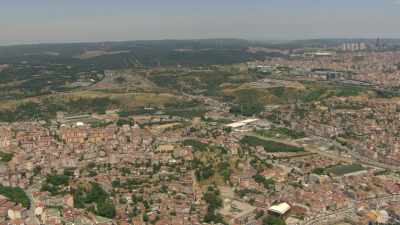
point(347, 212)
point(355, 157)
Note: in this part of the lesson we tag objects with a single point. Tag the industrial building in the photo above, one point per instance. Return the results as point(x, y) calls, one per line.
point(279, 210)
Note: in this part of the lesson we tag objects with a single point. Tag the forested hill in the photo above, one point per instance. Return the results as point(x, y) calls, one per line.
point(113, 55)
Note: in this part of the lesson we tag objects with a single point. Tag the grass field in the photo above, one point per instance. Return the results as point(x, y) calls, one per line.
point(281, 132)
point(270, 146)
point(345, 169)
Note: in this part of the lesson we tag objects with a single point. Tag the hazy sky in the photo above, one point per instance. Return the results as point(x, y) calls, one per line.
point(38, 21)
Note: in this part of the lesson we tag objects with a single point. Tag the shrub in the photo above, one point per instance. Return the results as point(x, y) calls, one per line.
point(15, 194)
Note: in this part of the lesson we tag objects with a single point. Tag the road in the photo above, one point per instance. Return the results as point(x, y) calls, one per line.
point(31, 212)
point(347, 212)
point(355, 157)
point(309, 148)
point(364, 160)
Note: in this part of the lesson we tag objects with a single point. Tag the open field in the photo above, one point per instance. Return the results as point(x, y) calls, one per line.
point(345, 169)
point(97, 53)
point(270, 146)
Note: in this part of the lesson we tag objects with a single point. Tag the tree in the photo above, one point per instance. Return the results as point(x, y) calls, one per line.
point(6, 157)
point(228, 129)
point(272, 220)
point(145, 217)
point(106, 209)
point(268, 183)
point(225, 171)
point(122, 122)
point(211, 216)
point(95, 197)
point(146, 205)
point(54, 183)
point(214, 201)
point(116, 183)
point(164, 189)
point(79, 199)
point(259, 214)
point(15, 194)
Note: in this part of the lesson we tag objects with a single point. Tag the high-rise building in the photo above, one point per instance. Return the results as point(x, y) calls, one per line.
point(354, 46)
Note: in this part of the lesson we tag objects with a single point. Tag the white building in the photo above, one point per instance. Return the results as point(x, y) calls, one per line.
point(280, 209)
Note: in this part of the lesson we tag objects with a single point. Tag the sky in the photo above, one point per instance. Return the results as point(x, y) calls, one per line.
point(45, 21)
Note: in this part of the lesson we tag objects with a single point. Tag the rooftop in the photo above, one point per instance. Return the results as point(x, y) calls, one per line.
point(280, 209)
point(241, 123)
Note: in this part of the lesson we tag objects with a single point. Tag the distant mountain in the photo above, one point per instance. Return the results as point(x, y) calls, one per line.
point(127, 54)
point(115, 55)
point(72, 49)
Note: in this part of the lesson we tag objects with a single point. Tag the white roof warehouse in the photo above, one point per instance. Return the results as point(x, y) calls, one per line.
point(241, 123)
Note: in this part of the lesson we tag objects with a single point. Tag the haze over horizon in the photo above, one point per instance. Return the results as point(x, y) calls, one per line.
point(47, 21)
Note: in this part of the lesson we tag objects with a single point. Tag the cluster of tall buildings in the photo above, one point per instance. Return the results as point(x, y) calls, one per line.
point(353, 47)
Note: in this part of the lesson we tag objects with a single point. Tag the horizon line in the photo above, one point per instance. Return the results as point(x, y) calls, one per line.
point(196, 39)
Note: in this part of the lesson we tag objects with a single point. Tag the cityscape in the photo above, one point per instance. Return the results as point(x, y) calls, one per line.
point(199, 131)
